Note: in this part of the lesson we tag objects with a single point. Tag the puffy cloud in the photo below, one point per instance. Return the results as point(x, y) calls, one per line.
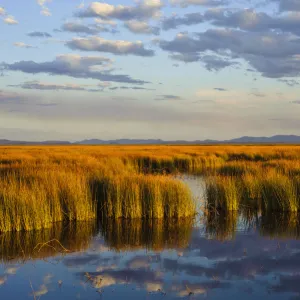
point(39, 34)
point(272, 54)
point(136, 26)
point(188, 19)
point(146, 9)
point(209, 3)
point(23, 45)
point(250, 20)
point(74, 66)
point(10, 20)
point(118, 47)
point(2, 11)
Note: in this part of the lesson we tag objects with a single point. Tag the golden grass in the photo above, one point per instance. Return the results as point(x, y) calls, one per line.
point(40, 185)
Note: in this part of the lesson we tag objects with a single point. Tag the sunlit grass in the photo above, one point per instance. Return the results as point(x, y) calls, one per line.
point(41, 185)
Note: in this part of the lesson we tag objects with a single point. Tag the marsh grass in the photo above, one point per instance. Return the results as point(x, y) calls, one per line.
point(222, 193)
point(140, 196)
point(43, 185)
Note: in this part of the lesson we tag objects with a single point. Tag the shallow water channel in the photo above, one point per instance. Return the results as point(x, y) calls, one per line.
point(243, 255)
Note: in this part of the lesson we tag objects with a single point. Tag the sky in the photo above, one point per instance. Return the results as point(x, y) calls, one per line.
point(167, 69)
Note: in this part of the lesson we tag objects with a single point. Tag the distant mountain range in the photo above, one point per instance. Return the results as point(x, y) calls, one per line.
point(276, 139)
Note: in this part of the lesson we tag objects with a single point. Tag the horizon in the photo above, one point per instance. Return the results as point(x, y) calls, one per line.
point(177, 69)
point(149, 139)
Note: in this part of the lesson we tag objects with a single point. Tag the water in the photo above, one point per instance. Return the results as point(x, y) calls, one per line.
point(242, 255)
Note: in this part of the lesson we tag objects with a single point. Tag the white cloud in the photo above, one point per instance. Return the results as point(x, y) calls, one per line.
point(105, 22)
point(146, 9)
point(42, 2)
point(46, 12)
point(209, 3)
point(10, 20)
point(118, 47)
point(136, 26)
point(23, 45)
point(2, 11)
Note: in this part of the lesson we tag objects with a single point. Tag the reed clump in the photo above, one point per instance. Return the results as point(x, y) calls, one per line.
point(271, 191)
point(142, 196)
point(223, 193)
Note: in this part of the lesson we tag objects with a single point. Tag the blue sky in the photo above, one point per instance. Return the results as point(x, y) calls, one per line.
point(176, 69)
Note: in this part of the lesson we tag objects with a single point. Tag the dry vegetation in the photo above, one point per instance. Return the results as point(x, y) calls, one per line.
point(45, 184)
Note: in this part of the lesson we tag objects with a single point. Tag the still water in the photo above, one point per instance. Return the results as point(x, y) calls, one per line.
point(243, 255)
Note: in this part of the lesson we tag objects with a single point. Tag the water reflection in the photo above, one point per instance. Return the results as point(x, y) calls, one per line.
point(225, 256)
point(61, 238)
point(152, 234)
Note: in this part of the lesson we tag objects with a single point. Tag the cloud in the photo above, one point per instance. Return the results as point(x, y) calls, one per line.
point(259, 95)
point(289, 82)
point(188, 19)
point(117, 47)
point(288, 5)
point(136, 26)
point(211, 62)
point(2, 11)
point(42, 2)
point(146, 9)
point(44, 86)
point(129, 88)
point(74, 66)
point(45, 10)
point(215, 63)
point(39, 34)
point(105, 22)
point(81, 5)
point(296, 102)
point(9, 96)
point(23, 45)
point(273, 54)
point(185, 57)
point(209, 3)
point(81, 28)
point(220, 89)
point(250, 20)
point(168, 97)
point(10, 20)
